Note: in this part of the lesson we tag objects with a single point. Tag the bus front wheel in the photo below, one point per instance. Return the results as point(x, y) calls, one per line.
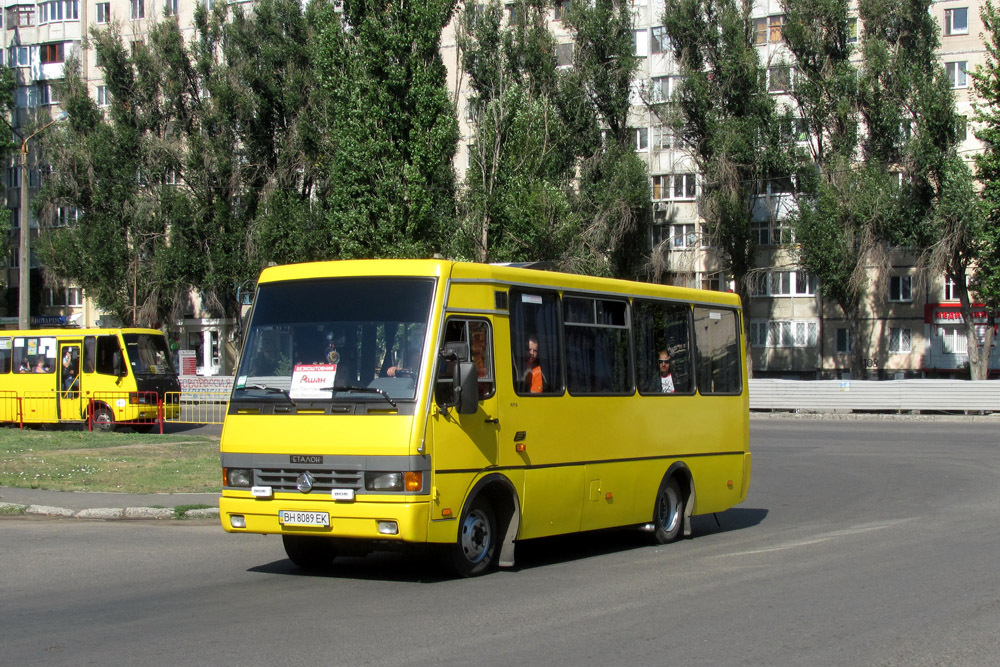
point(103, 419)
point(475, 551)
point(309, 552)
point(668, 518)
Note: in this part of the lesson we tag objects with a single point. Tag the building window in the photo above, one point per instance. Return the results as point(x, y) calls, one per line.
point(900, 288)
point(956, 72)
point(717, 282)
point(682, 236)
point(674, 186)
point(640, 43)
point(662, 88)
point(65, 216)
point(784, 333)
point(843, 343)
point(641, 138)
point(51, 53)
point(138, 9)
point(21, 16)
point(103, 97)
point(768, 30)
point(663, 137)
point(659, 41)
point(899, 340)
point(63, 296)
point(852, 30)
point(950, 293)
point(170, 7)
point(783, 283)
point(773, 232)
point(19, 56)
point(564, 55)
point(779, 79)
point(103, 12)
point(562, 6)
point(956, 21)
point(962, 128)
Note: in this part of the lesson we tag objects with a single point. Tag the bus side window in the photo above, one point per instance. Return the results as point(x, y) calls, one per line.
point(109, 355)
point(717, 342)
point(6, 355)
point(534, 324)
point(662, 327)
point(89, 354)
point(477, 334)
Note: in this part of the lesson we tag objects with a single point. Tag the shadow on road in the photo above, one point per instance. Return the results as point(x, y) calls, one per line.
point(425, 566)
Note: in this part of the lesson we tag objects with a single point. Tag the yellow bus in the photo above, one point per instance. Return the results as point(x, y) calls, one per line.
point(385, 403)
point(124, 376)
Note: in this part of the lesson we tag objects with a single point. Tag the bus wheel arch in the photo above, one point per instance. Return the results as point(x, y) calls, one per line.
point(495, 497)
point(673, 504)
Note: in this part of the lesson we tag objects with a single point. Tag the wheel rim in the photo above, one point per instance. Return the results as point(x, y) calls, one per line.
point(103, 418)
point(476, 536)
point(668, 511)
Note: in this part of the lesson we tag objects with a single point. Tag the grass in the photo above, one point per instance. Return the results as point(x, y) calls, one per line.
point(118, 462)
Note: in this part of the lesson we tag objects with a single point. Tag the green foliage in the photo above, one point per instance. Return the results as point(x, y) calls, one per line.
point(725, 116)
point(542, 185)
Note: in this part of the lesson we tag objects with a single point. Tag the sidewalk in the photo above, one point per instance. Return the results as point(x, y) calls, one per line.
point(105, 505)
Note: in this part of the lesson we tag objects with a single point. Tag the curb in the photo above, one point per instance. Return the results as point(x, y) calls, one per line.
point(159, 513)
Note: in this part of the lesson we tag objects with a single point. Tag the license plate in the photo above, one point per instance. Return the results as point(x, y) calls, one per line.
point(292, 518)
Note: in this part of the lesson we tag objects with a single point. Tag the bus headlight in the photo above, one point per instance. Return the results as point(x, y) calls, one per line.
point(411, 482)
point(384, 481)
point(239, 477)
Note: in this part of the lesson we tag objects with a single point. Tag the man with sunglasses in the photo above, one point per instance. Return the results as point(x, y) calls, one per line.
point(666, 378)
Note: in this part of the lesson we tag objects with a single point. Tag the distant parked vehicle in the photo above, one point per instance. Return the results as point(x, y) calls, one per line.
point(125, 377)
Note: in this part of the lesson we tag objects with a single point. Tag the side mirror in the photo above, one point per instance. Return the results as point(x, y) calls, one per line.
point(458, 381)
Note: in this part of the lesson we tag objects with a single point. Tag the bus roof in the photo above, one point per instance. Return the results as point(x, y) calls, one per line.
point(76, 333)
point(469, 271)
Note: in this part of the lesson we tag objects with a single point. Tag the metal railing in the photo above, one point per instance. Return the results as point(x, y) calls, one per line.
point(143, 410)
point(876, 395)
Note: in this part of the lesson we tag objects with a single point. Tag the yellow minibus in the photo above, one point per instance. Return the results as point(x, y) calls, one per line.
point(386, 403)
point(106, 376)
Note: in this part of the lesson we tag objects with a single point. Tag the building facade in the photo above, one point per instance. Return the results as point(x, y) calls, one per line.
point(914, 330)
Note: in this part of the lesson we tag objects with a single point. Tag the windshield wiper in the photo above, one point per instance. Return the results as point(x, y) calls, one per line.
point(364, 390)
point(271, 390)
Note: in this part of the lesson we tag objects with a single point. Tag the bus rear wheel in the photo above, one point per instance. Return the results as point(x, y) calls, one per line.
point(475, 551)
point(103, 419)
point(309, 552)
point(668, 517)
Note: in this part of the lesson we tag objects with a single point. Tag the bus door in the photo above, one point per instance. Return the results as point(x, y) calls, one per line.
point(464, 442)
point(69, 379)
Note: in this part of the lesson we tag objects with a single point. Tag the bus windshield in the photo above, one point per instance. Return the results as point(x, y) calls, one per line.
point(148, 354)
point(335, 339)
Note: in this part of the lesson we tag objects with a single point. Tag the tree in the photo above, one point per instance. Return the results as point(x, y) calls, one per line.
point(7, 147)
point(728, 122)
point(845, 207)
point(986, 283)
point(516, 202)
point(391, 129)
point(612, 201)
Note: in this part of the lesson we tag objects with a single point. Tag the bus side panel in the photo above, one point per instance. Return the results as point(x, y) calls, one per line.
point(718, 482)
point(552, 502)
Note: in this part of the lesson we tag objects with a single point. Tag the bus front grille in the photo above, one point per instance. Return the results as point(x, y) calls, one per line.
point(322, 480)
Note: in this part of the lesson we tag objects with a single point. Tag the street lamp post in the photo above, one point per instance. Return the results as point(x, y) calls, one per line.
point(24, 263)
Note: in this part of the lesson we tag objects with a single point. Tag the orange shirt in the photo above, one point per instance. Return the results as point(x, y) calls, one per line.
point(535, 386)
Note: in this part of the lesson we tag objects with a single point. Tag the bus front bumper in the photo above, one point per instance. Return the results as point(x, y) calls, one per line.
point(362, 520)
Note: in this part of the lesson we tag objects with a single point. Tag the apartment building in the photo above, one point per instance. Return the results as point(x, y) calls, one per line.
point(915, 330)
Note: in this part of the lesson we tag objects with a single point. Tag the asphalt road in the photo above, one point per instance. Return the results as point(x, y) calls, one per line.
point(861, 543)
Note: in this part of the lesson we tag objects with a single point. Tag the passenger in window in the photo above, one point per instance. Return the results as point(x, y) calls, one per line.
point(534, 379)
point(25, 366)
point(41, 366)
point(666, 378)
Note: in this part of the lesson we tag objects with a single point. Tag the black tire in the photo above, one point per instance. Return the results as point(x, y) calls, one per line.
point(103, 419)
point(308, 551)
point(668, 513)
point(475, 551)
